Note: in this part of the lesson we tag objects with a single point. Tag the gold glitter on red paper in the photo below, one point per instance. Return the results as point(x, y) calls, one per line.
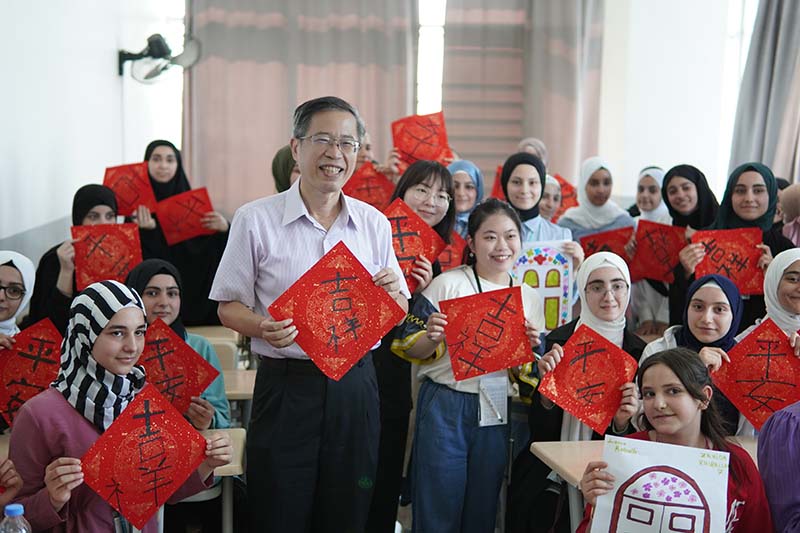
point(371, 186)
point(131, 186)
point(180, 216)
point(453, 252)
point(613, 241)
point(733, 253)
point(105, 251)
point(421, 137)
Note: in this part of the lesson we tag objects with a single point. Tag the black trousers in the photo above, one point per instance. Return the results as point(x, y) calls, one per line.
point(312, 448)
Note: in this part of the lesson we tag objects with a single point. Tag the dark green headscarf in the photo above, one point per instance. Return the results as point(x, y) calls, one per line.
point(728, 219)
point(282, 166)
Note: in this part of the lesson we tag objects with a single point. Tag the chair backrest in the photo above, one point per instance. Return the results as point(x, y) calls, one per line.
point(227, 352)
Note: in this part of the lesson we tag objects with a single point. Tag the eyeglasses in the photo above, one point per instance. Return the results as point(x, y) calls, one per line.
point(347, 145)
point(600, 289)
point(13, 292)
point(422, 193)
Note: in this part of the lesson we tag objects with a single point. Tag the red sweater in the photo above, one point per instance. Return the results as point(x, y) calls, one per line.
point(748, 508)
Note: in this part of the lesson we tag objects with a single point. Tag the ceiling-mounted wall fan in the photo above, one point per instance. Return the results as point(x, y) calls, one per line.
point(157, 57)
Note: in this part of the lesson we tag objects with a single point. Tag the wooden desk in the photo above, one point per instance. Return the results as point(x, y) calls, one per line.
point(215, 332)
point(239, 384)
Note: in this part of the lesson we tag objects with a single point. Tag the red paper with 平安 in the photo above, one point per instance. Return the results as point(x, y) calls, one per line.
point(569, 197)
point(421, 137)
point(411, 238)
point(369, 185)
point(586, 383)
point(131, 186)
point(763, 375)
point(174, 367)
point(338, 310)
point(29, 367)
point(486, 332)
point(143, 457)
point(180, 217)
point(657, 249)
point(453, 252)
point(613, 241)
point(105, 251)
point(733, 253)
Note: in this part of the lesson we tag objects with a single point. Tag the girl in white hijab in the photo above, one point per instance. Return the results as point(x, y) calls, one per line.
point(596, 211)
point(17, 275)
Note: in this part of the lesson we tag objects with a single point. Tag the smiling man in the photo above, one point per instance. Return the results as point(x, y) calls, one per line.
point(312, 443)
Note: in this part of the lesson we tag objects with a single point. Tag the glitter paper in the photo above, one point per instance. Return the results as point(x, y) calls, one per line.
point(453, 252)
point(613, 241)
point(369, 185)
point(29, 367)
point(421, 137)
point(657, 248)
point(733, 254)
point(180, 216)
point(131, 186)
point(338, 310)
point(105, 251)
point(173, 367)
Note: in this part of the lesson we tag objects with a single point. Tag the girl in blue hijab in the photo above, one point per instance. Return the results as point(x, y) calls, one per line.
point(468, 182)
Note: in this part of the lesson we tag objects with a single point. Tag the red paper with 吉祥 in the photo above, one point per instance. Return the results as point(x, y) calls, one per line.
point(763, 375)
point(105, 251)
point(29, 367)
point(131, 186)
point(421, 137)
point(180, 216)
point(586, 383)
point(173, 367)
point(657, 248)
point(369, 185)
point(411, 238)
point(144, 457)
point(613, 241)
point(569, 197)
point(339, 311)
point(453, 252)
point(485, 332)
point(733, 253)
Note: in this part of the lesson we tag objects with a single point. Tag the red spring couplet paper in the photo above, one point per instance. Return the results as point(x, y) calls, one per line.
point(339, 311)
point(613, 241)
point(763, 375)
point(180, 216)
point(131, 186)
point(173, 367)
point(486, 332)
point(369, 185)
point(144, 457)
point(411, 238)
point(453, 252)
point(29, 367)
point(105, 251)
point(733, 253)
point(586, 383)
point(569, 197)
point(497, 187)
point(421, 137)
point(657, 249)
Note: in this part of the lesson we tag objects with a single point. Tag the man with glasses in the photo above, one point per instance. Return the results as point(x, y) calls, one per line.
point(312, 442)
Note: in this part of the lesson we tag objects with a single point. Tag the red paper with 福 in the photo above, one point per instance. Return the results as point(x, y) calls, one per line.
point(131, 186)
point(453, 252)
point(733, 253)
point(369, 185)
point(173, 367)
point(180, 216)
point(586, 383)
point(657, 249)
point(497, 187)
point(763, 375)
point(105, 251)
point(29, 367)
point(411, 238)
point(143, 457)
point(486, 332)
point(338, 310)
point(421, 137)
point(569, 197)
point(613, 241)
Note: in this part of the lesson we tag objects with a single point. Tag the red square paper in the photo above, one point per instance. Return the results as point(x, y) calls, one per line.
point(369, 185)
point(569, 197)
point(453, 252)
point(144, 457)
point(339, 312)
point(105, 251)
point(733, 253)
point(586, 383)
point(173, 367)
point(486, 332)
point(608, 241)
point(29, 367)
point(131, 186)
point(411, 238)
point(763, 374)
point(180, 216)
point(421, 137)
point(657, 248)
point(497, 187)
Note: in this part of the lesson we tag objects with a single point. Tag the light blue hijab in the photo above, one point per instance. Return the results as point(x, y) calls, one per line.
point(474, 172)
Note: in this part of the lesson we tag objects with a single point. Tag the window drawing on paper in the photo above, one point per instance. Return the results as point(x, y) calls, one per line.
point(544, 267)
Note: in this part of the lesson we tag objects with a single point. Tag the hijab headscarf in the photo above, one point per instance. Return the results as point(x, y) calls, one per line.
point(140, 276)
point(727, 217)
point(550, 180)
point(586, 214)
point(99, 395)
point(790, 203)
point(660, 214)
point(613, 331)
point(88, 197)
point(686, 338)
point(788, 322)
point(28, 272)
point(523, 158)
point(538, 146)
point(477, 179)
point(178, 183)
point(706, 211)
point(282, 166)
